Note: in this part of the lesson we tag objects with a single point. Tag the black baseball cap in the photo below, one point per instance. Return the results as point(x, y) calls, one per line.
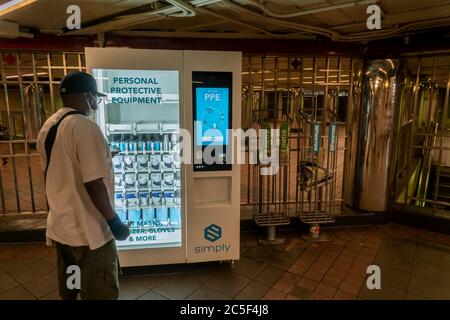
point(79, 82)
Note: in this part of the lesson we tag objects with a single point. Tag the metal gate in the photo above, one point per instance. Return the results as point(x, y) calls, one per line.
point(29, 94)
point(300, 93)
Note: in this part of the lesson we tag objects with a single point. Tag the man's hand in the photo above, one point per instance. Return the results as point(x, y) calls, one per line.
point(99, 196)
point(120, 230)
point(114, 153)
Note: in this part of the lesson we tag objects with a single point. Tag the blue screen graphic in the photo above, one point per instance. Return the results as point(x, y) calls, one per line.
point(211, 116)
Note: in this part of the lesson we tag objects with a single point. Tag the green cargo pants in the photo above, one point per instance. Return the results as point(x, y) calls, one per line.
point(98, 271)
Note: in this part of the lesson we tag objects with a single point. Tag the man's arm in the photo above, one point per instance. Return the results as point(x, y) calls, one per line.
point(99, 196)
point(94, 164)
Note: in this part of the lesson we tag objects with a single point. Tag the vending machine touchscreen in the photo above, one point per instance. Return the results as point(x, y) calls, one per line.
point(212, 96)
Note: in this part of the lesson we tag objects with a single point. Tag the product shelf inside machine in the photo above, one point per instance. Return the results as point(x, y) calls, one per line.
point(142, 127)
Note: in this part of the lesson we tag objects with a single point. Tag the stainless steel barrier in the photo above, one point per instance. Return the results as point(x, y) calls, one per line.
point(422, 163)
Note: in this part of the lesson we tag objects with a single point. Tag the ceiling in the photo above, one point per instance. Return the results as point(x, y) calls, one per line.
point(339, 20)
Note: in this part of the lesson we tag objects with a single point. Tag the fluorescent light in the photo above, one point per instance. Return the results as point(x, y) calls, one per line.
point(14, 5)
point(246, 72)
point(27, 75)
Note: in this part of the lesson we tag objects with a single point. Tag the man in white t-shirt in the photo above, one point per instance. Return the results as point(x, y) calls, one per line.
point(80, 188)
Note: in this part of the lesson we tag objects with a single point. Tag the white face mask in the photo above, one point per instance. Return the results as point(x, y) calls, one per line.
point(92, 110)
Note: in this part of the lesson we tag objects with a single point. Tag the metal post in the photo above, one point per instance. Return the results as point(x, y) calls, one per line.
point(271, 233)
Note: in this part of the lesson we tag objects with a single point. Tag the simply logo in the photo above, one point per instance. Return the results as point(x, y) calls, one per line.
point(213, 232)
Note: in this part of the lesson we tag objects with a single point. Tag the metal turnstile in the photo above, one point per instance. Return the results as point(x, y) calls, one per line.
point(271, 189)
point(317, 164)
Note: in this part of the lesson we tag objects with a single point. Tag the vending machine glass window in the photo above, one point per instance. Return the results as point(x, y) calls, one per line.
point(140, 119)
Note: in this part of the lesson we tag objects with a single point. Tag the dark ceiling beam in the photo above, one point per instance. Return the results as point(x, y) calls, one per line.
point(436, 41)
point(245, 45)
point(48, 42)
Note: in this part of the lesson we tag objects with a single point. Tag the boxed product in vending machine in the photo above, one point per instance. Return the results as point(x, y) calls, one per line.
point(177, 161)
point(119, 182)
point(120, 204)
point(162, 216)
point(142, 162)
point(169, 198)
point(157, 198)
point(174, 216)
point(148, 215)
point(144, 200)
point(168, 179)
point(156, 180)
point(123, 145)
point(130, 162)
point(118, 163)
point(130, 181)
point(143, 180)
point(119, 200)
point(155, 161)
point(132, 200)
point(177, 179)
point(156, 146)
point(132, 145)
point(178, 198)
point(134, 216)
point(168, 161)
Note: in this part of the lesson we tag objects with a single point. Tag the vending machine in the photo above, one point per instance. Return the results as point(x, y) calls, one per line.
point(151, 96)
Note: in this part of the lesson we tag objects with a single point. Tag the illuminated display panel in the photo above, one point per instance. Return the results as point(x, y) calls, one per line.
point(140, 118)
point(212, 97)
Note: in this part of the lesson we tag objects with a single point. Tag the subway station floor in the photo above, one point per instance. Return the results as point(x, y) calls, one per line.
point(415, 264)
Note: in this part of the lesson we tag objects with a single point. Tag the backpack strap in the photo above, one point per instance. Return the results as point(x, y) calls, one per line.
point(51, 136)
